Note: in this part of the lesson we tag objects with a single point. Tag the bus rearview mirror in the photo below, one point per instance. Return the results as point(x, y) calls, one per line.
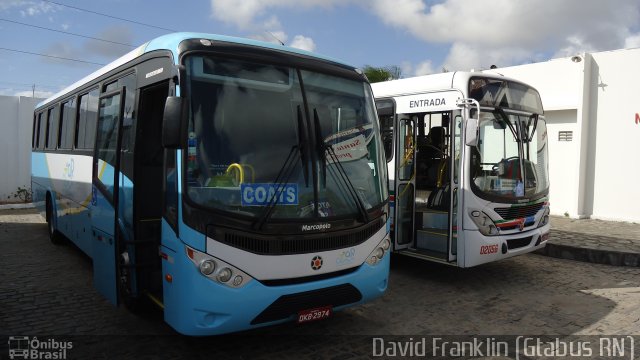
point(472, 129)
point(472, 132)
point(172, 122)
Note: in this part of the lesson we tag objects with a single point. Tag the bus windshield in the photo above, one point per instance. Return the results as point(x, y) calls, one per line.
point(510, 163)
point(273, 139)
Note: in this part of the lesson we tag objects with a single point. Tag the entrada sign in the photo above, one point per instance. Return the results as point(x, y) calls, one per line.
point(430, 102)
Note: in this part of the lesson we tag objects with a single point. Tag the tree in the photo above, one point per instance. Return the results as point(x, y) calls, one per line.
point(384, 73)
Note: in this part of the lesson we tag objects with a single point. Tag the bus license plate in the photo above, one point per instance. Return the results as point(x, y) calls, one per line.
point(314, 314)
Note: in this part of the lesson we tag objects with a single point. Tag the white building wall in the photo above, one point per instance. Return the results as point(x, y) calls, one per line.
point(563, 164)
point(616, 100)
point(16, 122)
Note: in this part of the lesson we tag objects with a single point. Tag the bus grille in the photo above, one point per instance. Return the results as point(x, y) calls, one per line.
point(516, 212)
point(300, 244)
point(288, 305)
point(519, 243)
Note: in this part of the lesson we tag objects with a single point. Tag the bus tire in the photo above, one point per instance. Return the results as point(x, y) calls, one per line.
point(54, 236)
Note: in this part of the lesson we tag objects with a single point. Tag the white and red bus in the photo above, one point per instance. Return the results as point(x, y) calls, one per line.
point(468, 166)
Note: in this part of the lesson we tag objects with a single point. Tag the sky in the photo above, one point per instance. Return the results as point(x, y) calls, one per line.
point(419, 36)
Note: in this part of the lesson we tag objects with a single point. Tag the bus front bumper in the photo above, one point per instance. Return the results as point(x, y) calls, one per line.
point(196, 305)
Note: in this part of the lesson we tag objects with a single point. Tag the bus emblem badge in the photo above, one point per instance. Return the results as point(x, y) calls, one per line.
point(316, 262)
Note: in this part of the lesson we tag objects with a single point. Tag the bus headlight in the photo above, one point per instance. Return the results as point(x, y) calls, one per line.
point(224, 275)
point(216, 269)
point(544, 220)
point(207, 267)
point(485, 225)
point(386, 244)
point(378, 253)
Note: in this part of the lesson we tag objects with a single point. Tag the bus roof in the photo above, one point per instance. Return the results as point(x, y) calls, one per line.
point(457, 80)
point(171, 42)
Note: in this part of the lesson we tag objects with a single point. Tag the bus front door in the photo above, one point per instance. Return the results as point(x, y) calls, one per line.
point(105, 194)
point(435, 217)
point(404, 185)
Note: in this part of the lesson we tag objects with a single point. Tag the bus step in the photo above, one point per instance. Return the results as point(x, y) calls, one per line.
point(432, 239)
point(142, 242)
point(140, 265)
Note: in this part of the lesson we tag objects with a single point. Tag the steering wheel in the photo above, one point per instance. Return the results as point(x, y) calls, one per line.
point(495, 167)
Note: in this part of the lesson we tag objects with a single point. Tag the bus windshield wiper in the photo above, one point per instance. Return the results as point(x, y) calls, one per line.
point(324, 149)
point(320, 147)
point(505, 118)
point(285, 173)
point(534, 118)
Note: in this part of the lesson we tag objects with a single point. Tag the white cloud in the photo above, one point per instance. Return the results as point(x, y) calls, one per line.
point(424, 68)
point(406, 69)
point(276, 37)
point(116, 33)
point(480, 32)
point(33, 8)
point(244, 14)
point(303, 42)
point(29, 7)
point(253, 15)
point(574, 45)
point(37, 93)
point(280, 37)
point(63, 50)
point(503, 32)
point(632, 41)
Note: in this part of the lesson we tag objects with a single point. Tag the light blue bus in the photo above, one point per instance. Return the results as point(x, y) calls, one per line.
point(234, 183)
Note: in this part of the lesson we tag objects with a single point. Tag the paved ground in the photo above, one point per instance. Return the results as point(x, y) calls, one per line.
point(597, 241)
point(47, 290)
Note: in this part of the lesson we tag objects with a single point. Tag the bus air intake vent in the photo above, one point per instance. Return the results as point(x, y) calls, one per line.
point(305, 279)
point(288, 305)
point(519, 243)
point(517, 212)
point(299, 244)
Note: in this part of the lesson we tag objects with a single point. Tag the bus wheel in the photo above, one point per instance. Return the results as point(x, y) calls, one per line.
point(54, 236)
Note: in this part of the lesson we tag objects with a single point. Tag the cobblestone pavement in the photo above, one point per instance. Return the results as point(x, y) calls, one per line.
point(612, 229)
point(597, 241)
point(47, 290)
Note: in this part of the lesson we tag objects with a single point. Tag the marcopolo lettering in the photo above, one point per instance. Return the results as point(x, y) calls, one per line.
point(325, 226)
point(427, 103)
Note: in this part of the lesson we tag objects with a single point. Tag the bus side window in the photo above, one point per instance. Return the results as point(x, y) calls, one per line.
point(67, 117)
point(52, 128)
point(86, 120)
point(33, 131)
point(42, 133)
point(386, 117)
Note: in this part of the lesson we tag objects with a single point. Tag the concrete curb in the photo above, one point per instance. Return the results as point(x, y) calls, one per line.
point(17, 206)
point(607, 257)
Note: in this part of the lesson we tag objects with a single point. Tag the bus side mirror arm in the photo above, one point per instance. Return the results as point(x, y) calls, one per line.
point(172, 121)
point(472, 127)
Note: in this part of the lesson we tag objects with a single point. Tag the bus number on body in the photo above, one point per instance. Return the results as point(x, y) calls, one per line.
point(488, 249)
